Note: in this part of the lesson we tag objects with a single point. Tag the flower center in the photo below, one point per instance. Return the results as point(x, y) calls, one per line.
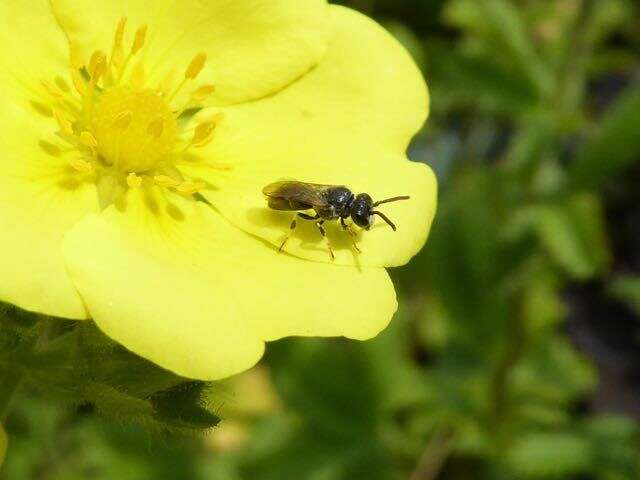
point(134, 128)
point(126, 133)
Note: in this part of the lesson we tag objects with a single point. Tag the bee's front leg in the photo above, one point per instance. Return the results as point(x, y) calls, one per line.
point(352, 234)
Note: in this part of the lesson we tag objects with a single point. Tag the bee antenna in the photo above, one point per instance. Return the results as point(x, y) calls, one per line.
point(392, 199)
point(385, 218)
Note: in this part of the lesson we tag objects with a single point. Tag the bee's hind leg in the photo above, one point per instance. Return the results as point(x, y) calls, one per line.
point(294, 223)
point(324, 235)
point(291, 229)
point(352, 234)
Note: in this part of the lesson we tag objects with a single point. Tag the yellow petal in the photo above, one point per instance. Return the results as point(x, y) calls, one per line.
point(33, 48)
point(174, 282)
point(347, 122)
point(41, 196)
point(3, 445)
point(254, 47)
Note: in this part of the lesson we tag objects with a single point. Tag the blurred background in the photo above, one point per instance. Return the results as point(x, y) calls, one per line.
point(516, 352)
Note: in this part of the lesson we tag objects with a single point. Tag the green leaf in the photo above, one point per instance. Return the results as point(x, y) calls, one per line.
point(615, 145)
point(544, 455)
point(114, 403)
point(627, 289)
point(552, 371)
point(502, 27)
point(616, 445)
point(184, 407)
point(574, 234)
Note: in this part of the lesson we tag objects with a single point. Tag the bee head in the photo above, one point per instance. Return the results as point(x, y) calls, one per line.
point(361, 211)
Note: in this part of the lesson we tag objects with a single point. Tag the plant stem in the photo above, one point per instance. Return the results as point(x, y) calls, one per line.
point(433, 457)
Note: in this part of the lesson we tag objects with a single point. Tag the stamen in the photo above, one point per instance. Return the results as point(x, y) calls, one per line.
point(116, 50)
point(78, 82)
point(203, 92)
point(192, 71)
point(80, 165)
point(138, 42)
point(189, 188)
point(88, 139)
point(117, 41)
point(97, 65)
point(165, 181)
point(202, 132)
point(65, 125)
point(133, 180)
point(52, 90)
point(196, 66)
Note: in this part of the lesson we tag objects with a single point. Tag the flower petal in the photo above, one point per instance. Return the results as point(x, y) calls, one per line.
point(40, 195)
point(254, 47)
point(32, 45)
point(174, 282)
point(347, 122)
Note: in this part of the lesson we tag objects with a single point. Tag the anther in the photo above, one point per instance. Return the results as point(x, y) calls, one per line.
point(117, 41)
point(196, 66)
point(202, 132)
point(122, 120)
point(81, 165)
point(203, 92)
point(78, 82)
point(97, 65)
point(88, 139)
point(138, 42)
point(189, 188)
point(165, 181)
point(52, 90)
point(133, 180)
point(65, 125)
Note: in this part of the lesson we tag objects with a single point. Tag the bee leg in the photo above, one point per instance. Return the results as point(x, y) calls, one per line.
point(292, 228)
point(352, 234)
point(294, 223)
point(324, 235)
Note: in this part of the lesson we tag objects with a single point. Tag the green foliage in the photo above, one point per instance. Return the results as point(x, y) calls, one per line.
point(74, 363)
point(627, 289)
point(615, 145)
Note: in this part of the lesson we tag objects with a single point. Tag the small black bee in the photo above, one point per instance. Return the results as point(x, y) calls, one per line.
point(330, 202)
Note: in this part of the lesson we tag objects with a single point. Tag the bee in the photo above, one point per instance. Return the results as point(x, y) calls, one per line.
point(330, 202)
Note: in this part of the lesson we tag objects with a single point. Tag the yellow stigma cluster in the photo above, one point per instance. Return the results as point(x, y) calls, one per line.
point(123, 128)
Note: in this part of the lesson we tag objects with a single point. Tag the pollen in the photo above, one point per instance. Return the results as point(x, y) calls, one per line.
point(123, 129)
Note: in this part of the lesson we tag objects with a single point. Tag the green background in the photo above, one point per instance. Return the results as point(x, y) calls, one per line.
point(516, 350)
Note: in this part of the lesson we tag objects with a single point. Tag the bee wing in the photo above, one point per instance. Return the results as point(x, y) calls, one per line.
point(311, 194)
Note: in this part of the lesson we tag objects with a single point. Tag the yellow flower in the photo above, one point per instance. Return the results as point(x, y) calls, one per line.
point(136, 137)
